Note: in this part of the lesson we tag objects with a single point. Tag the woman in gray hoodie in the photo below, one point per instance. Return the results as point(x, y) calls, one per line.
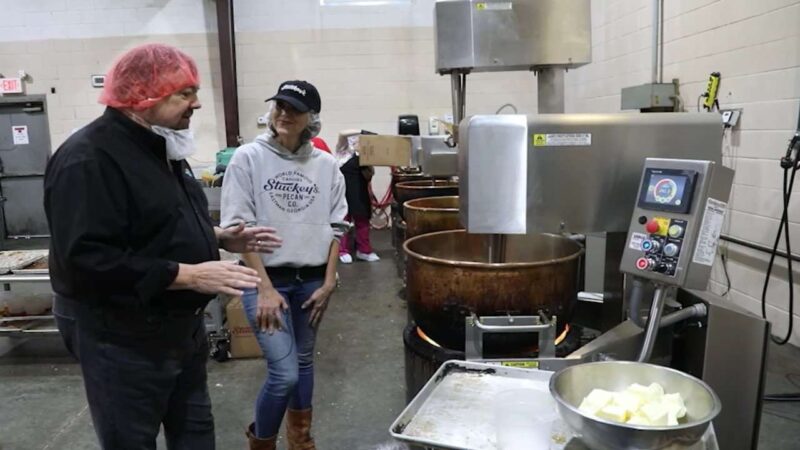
point(280, 181)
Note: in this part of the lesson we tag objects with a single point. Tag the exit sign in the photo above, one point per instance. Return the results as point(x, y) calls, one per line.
point(11, 86)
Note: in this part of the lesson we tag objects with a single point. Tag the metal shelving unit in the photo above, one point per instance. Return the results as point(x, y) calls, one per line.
point(26, 326)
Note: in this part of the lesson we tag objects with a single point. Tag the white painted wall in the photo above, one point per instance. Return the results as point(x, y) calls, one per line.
point(277, 15)
point(370, 63)
point(81, 19)
point(61, 43)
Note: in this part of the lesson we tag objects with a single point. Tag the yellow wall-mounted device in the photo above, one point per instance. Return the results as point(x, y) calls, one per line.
point(711, 91)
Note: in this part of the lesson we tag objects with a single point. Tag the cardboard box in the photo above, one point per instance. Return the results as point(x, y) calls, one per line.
point(243, 340)
point(382, 150)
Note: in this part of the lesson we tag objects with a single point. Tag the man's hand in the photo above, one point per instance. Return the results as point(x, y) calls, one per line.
point(241, 239)
point(215, 277)
point(318, 302)
point(269, 315)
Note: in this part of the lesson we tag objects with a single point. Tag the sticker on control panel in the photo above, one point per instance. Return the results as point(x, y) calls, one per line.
point(636, 241)
point(562, 139)
point(502, 6)
point(521, 364)
point(711, 228)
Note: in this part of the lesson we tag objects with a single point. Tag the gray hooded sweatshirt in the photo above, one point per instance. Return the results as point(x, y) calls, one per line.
point(301, 194)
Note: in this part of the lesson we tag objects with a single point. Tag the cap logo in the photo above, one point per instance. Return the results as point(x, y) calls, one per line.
point(295, 88)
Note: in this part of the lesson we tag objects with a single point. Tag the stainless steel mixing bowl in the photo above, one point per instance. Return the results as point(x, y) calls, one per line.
point(569, 386)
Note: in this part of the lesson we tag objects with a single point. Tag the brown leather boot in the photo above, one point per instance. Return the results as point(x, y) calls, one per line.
point(257, 443)
point(298, 430)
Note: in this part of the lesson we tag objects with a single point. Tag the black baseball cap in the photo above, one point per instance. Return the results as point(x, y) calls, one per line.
point(302, 95)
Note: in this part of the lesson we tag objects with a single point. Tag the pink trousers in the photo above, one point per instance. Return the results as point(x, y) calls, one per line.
point(362, 236)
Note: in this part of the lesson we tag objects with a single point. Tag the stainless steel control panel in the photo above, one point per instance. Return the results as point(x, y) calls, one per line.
point(679, 214)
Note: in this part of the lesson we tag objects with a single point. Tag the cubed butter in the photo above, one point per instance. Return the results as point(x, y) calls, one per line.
point(636, 405)
point(655, 412)
point(614, 413)
point(640, 391)
point(589, 408)
point(672, 419)
point(595, 401)
point(600, 397)
point(674, 404)
point(630, 401)
point(638, 419)
point(656, 389)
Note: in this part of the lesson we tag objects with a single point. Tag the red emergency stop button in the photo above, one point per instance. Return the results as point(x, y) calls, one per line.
point(652, 226)
point(644, 263)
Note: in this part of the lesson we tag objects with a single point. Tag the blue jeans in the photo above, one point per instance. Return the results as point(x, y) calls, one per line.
point(289, 354)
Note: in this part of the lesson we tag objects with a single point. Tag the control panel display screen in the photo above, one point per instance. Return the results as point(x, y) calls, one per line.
point(667, 190)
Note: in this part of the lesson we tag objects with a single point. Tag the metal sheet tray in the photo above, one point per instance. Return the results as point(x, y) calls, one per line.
point(31, 271)
point(455, 410)
point(12, 260)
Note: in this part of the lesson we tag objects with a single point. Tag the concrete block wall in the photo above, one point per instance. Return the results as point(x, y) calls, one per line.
point(366, 77)
point(61, 43)
point(370, 63)
point(756, 47)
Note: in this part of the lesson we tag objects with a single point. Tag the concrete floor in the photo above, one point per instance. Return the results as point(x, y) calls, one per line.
point(360, 385)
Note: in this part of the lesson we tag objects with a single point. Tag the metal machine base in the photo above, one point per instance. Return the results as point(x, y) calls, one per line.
point(476, 327)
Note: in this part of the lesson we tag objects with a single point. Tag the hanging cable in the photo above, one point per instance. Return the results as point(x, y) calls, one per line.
point(724, 258)
point(782, 398)
point(785, 397)
point(380, 215)
point(790, 164)
point(507, 105)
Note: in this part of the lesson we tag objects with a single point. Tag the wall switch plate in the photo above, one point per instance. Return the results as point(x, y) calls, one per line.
point(448, 118)
point(730, 117)
point(433, 126)
point(98, 81)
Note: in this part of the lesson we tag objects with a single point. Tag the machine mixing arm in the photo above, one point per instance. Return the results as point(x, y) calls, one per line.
point(653, 323)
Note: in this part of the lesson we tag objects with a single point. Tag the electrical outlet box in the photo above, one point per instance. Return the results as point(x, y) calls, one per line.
point(448, 118)
point(262, 120)
point(651, 96)
point(433, 126)
point(730, 117)
point(98, 81)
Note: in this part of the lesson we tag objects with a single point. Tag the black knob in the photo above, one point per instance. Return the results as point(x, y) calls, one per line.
point(662, 267)
point(642, 220)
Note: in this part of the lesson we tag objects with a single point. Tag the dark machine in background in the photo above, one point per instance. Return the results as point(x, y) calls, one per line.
point(24, 151)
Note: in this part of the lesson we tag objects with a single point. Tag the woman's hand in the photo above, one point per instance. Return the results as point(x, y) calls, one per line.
point(318, 302)
point(241, 239)
point(269, 313)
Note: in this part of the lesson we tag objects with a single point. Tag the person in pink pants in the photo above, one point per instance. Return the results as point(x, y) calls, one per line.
point(364, 250)
point(359, 204)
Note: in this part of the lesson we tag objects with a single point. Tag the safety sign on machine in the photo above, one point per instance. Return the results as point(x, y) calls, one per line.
point(20, 134)
point(562, 139)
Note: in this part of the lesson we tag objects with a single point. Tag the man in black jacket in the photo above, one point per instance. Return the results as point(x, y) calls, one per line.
point(134, 256)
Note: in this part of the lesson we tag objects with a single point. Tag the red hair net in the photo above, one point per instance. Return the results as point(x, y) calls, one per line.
point(145, 74)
